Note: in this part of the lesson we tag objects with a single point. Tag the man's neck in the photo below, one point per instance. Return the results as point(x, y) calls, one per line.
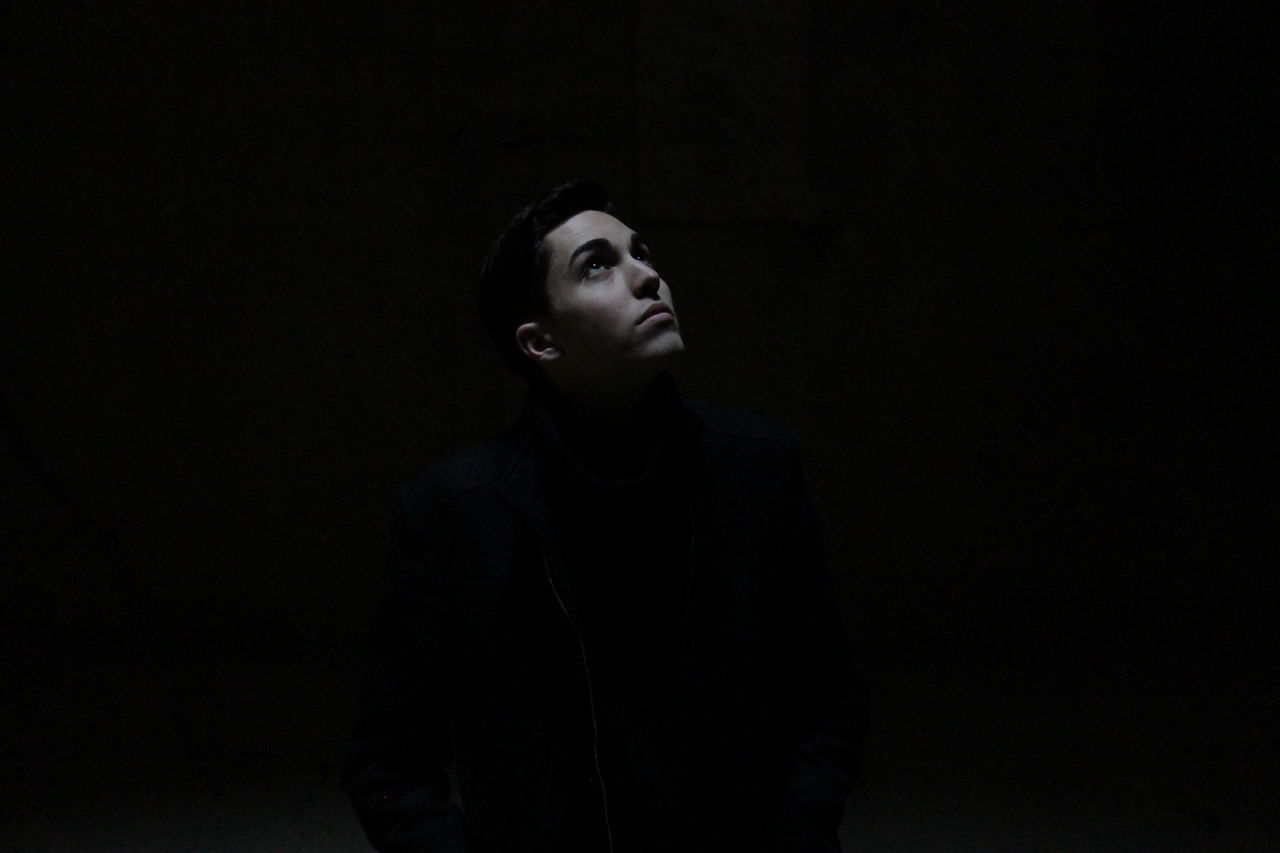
point(608, 424)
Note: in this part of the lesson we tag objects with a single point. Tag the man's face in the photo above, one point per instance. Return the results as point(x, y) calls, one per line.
point(610, 314)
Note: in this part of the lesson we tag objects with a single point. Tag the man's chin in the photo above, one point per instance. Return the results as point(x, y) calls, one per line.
point(668, 358)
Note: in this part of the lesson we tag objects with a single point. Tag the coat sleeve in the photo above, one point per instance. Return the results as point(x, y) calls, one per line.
point(394, 771)
point(828, 697)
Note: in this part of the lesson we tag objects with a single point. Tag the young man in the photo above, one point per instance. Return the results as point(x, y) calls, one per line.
point(615, 618)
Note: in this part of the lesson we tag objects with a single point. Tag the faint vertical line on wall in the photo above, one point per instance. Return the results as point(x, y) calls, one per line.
point(634, 78)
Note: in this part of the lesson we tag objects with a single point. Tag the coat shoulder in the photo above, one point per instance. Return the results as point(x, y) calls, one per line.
point(463, 474)
point(738, 426)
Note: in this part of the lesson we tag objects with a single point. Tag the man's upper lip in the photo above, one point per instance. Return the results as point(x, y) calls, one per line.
point(655, 308)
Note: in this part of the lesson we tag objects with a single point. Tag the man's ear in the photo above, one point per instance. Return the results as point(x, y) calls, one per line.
point(535, 341)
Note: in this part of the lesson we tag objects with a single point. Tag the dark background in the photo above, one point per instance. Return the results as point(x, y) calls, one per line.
point(994, 263)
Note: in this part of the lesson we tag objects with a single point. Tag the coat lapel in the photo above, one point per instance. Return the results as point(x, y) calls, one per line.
point(523, 491)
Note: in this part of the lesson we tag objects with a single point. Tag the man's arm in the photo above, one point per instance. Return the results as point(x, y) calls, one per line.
point(830, 699)
point(394, 771)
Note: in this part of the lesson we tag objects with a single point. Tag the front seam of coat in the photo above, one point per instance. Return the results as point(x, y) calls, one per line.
point(591, 700)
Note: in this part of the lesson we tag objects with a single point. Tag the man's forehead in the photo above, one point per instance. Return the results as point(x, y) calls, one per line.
point(585, 226)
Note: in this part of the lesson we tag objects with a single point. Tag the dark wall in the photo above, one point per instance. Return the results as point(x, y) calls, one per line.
point(992, 264)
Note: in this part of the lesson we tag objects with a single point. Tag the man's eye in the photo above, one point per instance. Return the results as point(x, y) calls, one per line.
point(593, 267)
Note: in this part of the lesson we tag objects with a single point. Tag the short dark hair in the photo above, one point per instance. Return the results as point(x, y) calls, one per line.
point(513, 280)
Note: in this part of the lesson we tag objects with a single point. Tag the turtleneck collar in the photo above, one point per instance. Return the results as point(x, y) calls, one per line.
point(584, 458)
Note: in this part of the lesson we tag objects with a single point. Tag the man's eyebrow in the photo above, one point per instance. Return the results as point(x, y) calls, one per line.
point(597, 243)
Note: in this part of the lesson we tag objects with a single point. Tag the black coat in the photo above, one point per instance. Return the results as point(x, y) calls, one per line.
point(480, 660)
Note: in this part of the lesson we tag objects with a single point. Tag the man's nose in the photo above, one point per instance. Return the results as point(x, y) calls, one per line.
point(644, 279)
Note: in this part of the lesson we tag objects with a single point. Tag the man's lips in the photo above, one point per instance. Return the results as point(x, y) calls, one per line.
point(654, 310)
